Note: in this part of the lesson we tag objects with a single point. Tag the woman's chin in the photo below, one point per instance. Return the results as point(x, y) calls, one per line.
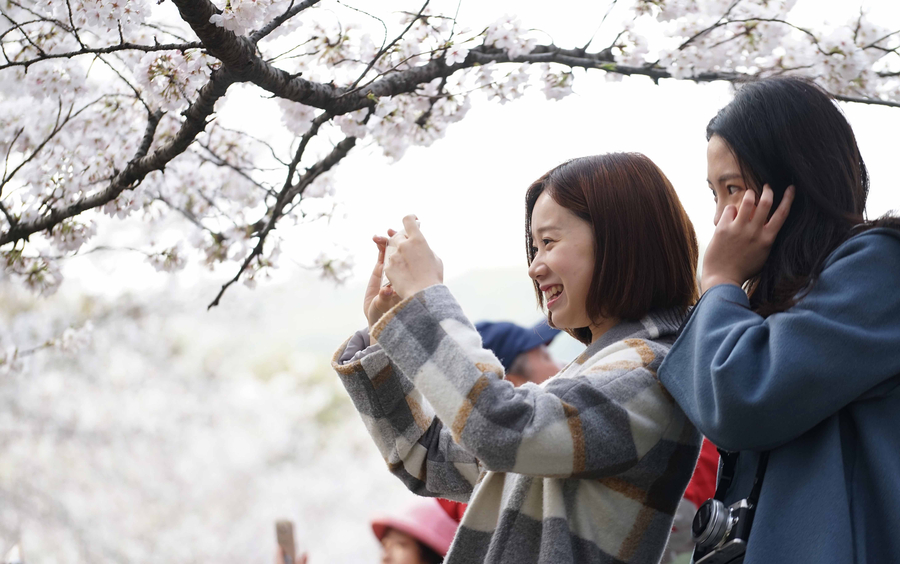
point(561, 322)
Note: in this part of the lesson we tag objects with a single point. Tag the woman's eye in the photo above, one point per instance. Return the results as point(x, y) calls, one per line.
point(732, 189)
point(715, 197)
point(546, 241)
point(533, 251)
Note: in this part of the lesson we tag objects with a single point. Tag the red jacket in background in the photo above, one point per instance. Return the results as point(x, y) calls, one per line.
point(703, 483)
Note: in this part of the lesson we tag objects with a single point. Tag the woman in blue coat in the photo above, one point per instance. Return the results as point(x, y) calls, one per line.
point(794, 348)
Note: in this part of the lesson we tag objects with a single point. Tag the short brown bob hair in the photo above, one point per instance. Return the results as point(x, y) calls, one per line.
point(645, 249)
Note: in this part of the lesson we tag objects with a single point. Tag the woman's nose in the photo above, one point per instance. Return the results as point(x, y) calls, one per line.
point(719, 207)
point(535, 269)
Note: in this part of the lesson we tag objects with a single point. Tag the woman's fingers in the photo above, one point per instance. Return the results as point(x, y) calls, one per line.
point(748, 206)
point(781, 213)
point(411, 226)
point(386, 299)
point(378, 270)
point(729, 214)
point(381, 243)
point(763, 207)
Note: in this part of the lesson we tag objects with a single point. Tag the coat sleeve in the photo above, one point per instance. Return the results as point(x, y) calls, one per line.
point(595, 422)
point(414, 443)
point(753, 383)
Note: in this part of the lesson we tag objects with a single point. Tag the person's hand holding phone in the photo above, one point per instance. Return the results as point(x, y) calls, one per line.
point(379, 299)
point(414, 266)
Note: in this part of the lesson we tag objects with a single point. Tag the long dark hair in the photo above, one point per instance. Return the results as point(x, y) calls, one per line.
point(645, 250)
point(786, 131)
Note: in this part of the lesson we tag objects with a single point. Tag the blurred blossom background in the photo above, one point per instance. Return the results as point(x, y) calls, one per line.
point(138, 426)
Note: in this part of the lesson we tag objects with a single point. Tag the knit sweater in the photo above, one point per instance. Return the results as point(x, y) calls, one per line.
point(817, 385)
point(587, 467)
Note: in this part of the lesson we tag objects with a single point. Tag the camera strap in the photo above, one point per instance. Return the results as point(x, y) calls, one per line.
point(729, 465)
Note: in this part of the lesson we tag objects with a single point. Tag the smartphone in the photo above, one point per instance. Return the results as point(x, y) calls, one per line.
point(284, 534)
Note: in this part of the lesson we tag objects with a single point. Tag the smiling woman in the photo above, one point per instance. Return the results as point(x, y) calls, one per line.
point(588, 466)
point(612, 224)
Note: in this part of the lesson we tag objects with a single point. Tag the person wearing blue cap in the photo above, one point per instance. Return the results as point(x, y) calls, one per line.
point(522, 352)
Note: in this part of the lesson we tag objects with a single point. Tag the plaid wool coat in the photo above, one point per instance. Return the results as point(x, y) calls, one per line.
point(587, 467)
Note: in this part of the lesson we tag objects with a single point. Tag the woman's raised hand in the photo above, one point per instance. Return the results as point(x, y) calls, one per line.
point(414, 266)
point(378, 299)
point(743, 238)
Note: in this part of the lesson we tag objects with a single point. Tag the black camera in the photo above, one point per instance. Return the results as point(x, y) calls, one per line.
point(721, 532)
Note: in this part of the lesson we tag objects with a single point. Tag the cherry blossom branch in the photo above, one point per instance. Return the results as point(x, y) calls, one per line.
point(257, 35)
point(217, 160)
point(25, 36)
point(57, 127)
point(239, 55)
point(262, 142)
point(15, 138)
point(870, 101)
point(40, 17)
point(190, 216)
point(9, 218)
point(142, 164)
point(882, 38)
point(338, 153)
point(384, 48)
point(104, 51)
point(72, 25)
point(719, 24)
point(290, 191)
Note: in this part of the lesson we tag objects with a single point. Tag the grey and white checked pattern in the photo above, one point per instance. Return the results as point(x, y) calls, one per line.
point(588, 467)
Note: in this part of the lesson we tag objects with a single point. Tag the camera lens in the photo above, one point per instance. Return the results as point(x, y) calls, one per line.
point(710, 524)
point(701, 520)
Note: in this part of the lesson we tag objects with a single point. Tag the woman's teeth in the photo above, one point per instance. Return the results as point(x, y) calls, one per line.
point(553, 292)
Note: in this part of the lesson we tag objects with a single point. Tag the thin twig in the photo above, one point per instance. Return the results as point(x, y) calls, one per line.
point(712, 27)
point(866, 100)
point(104, 51)
point(385, 49)
point(72, 23)
point(289, 191)
point(277, 21)
point(602, 21)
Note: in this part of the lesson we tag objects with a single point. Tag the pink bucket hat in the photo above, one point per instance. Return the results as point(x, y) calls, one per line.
point(427, 522)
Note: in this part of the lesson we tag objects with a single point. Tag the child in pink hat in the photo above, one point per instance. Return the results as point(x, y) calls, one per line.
point(420, 535)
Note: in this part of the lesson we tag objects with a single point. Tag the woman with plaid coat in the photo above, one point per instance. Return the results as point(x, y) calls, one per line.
point(588, 466)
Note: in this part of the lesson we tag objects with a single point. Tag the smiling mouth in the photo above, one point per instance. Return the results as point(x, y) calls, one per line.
point(552, 294)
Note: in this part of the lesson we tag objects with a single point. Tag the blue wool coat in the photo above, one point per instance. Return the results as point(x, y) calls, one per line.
point(819, 386)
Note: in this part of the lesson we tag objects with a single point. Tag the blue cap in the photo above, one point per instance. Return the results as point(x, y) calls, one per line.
point(508, 340)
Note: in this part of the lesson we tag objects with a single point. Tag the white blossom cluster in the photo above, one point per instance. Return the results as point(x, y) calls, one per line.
point(335, 265)
point(756, 38)
point(171, 79)
point(508, 34)
point(38, 273)
point(557, 82)
point(240, 16)
point(168, 260)
point(100, 17)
